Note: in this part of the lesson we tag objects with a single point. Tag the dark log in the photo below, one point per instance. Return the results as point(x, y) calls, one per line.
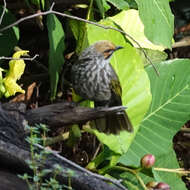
point(10, 181)
point(14, 150)
point(67, 113)
point(12, 156)
point(11, 127)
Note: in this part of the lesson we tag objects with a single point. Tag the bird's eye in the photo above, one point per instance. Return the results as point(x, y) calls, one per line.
point(108, 51)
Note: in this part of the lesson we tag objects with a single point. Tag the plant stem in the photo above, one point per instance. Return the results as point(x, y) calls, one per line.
point(178, 170)
point(59, 138)
point(89, 10)
point(134, 172)
point(32, 156)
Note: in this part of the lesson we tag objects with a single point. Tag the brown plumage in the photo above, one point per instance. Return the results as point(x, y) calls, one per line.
point(94, 78)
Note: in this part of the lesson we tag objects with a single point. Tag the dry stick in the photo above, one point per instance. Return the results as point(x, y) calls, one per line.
point(11, 58)
point(96, 152)
point(3, 13)
point(51, 11)
point(115, 182)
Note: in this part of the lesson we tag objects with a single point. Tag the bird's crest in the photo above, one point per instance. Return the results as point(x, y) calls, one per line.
point(106, 48)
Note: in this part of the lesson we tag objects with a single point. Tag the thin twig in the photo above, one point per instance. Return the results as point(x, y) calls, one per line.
point(178, 170)
point(51, 11)
point(22, 58)
point(185, 130)
point(115, 182)
point(59, 138)
point(96, 152)
point(182, 43)
point(3, 13)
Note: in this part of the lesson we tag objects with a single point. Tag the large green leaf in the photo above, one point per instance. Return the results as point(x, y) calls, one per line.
point(102, 6)
point(8, 38)
point(131, 23)
point(169, 110)
point(79, 31)
point(132, 4)
point(120, 4)
point(57, 47)
point(158, 21)
point(134, 81)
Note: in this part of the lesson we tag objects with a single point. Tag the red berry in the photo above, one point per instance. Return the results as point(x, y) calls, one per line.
point(147, 161)
point(162, 186)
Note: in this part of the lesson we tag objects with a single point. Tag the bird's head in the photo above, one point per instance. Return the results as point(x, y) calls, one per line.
point(106, 48)
point(102, 50)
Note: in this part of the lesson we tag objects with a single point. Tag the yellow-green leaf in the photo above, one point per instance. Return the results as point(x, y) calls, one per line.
point(131, 23)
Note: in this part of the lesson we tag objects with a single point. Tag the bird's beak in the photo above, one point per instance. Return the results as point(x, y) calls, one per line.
point(118, 47)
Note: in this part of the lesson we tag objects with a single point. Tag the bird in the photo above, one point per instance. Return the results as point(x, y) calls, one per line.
point(93, 78)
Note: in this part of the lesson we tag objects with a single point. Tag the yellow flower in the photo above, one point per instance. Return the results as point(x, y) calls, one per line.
point(16, 69)
point(2, 87)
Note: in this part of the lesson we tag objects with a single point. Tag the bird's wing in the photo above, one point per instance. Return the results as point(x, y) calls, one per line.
point(116, 92)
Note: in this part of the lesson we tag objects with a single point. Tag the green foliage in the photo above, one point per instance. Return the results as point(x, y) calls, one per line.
point(79, 31)
point(57, 46)
point(168, 112)
point(39, 180)
point(158, 21)
point(131, 23)
point(155, 56)
point(103, 6)
point(151, 24)
point(173, 179)
point(10, 37)
point(120, 4)
point(38, 3)
point(155, 133)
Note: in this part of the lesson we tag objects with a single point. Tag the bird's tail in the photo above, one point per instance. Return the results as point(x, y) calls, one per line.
point(114, 124)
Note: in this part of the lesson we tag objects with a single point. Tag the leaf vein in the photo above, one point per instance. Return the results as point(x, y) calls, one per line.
point(167, 102)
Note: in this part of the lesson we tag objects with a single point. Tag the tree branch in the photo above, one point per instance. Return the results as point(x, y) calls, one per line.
point(3, 13)
point(23, 58)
